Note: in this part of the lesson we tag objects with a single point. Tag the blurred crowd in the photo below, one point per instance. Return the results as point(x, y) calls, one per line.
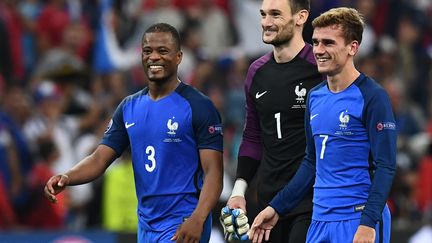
point(59, 85)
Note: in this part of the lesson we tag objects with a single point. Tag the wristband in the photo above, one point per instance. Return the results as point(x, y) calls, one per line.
point(239, 188)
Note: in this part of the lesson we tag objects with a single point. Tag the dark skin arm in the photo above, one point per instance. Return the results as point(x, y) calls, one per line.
point(88, 169)
point(191, 229)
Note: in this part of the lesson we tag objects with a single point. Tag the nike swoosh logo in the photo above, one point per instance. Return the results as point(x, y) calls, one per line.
point(258, 95)
point(313, 116)
point(127, 125)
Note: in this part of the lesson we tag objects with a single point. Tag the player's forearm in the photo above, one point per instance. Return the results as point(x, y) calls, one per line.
point(291, 195)
point(246, 168)
point(211, 190)
point(378, 194)
point(91, 167)
point(209, 196)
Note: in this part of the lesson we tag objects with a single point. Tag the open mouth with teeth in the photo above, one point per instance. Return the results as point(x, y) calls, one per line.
point(155, 68)
point(322, 59)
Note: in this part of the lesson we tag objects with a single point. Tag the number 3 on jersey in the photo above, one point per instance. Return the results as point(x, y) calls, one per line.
point(150, 151)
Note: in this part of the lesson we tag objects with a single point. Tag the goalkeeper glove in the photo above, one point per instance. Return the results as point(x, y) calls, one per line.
point(234, 223)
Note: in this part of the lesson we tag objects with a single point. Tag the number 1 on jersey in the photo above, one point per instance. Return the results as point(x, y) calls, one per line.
point(278, 125)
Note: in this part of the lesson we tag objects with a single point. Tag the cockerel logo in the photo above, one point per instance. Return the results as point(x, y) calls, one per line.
point(172, 126)
point(300, 93)
point(344, 119)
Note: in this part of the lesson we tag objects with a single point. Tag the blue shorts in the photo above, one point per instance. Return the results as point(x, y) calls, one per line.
point(344, 231)
point(150, 236)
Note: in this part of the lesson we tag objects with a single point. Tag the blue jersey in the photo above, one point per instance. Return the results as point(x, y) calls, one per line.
point(165, 137)
point(351, 154)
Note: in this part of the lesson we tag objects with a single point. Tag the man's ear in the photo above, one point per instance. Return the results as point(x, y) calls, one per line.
point(179, 57)
point(354, 47)
point(301, 17)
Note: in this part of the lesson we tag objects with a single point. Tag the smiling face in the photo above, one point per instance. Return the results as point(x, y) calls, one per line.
point(277, 22)
point(160, 56)
point(331, 50)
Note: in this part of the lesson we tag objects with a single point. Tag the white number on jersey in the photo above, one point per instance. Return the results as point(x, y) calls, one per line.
point(278, 125)
point(150, 151)
point(323, 145)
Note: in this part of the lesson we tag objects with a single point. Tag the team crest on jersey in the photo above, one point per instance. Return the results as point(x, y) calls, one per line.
point(301, 94)
point(386, 126)
point(172, 126)
point(344, 119)
point(109, 126)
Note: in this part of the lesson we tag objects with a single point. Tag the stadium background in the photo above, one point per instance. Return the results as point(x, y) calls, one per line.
point(66, 64)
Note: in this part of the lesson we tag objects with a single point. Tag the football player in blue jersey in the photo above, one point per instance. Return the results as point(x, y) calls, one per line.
point(351, 144)
point(175, 136)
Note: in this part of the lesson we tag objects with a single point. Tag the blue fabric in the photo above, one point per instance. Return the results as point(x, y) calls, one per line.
point(344, 231)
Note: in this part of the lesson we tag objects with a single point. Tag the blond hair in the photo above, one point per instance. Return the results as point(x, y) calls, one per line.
point(349, 19)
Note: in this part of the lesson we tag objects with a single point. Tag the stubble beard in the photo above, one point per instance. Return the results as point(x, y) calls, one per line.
point(284, 37)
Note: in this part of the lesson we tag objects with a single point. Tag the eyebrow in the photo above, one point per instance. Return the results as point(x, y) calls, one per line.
point(271, 11)
point(327, 41)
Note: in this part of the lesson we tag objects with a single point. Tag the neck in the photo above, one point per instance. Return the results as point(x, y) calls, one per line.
point(339, 82)
point(286, 52)
point(159, 90)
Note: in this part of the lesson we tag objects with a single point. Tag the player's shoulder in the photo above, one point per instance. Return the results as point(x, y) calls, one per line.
point(193, 95)
point(130, 98)
point(307, 55)
point(319, 87)
point(259, 62)
point(369, 87)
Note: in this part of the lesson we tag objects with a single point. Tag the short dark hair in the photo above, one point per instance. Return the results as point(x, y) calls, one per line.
point(297, 5)
point(165, 28)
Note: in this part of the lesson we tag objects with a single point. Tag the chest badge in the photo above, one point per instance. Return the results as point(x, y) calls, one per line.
point(301, 93)
point(172, 126)
point(344, 119)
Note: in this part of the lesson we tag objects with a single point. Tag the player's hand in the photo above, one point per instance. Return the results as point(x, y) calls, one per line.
point(237, 202)
point(189, 231)
point(55, 185)
point(364, 234)
point(235, 224)
point(263, 224)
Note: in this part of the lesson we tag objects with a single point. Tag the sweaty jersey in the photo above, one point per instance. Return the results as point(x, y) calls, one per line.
point(351, 148)
point(165, 137)
point(274, 130)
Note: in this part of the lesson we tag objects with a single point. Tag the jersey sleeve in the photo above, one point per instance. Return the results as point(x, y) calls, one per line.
point(207, 126)
point(250, 151)
point(291, 195)
point(115, 135)
point(251, 142)
point(381, 127)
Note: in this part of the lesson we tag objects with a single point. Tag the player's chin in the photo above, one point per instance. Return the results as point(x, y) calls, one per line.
point(323, 70)
point(268, 40)
point(157, 78)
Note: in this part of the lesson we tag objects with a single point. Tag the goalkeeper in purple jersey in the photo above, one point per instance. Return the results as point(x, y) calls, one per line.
point(273, 142)
point(351, 145)
point(175, 136)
